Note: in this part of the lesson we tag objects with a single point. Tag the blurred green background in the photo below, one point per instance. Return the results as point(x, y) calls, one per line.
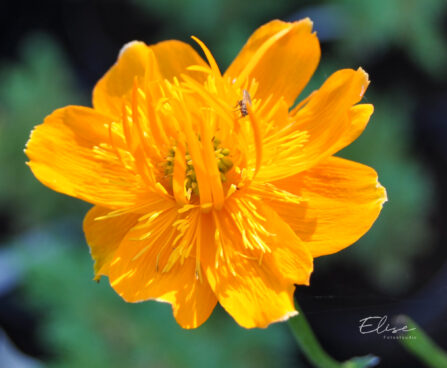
point(52, 313)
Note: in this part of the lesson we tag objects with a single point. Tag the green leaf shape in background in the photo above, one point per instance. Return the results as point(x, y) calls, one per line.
point(412, 25)
point(30, 89)
point(418, 343)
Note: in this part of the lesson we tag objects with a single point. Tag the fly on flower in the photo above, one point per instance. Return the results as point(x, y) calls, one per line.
point(194, 205)
point(242, 104)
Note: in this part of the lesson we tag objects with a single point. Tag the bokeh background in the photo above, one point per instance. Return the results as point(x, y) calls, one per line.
point(51, 312)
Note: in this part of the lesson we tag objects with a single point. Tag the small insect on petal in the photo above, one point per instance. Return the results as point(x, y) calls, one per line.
point(242, 104)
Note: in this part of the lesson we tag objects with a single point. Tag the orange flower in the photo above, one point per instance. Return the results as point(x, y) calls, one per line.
point(209, 187)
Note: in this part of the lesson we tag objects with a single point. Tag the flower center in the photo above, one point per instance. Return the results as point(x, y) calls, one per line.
point(223, 162)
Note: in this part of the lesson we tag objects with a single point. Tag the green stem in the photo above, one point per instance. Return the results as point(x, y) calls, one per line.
point(420, 345)
point(313, 351)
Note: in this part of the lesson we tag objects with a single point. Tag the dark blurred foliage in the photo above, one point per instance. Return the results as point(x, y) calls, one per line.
point(52, 53)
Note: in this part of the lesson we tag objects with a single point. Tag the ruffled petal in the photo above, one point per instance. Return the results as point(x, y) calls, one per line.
point(148, 64)
point(341, 201)
point(281, 56)
point(104, 235)
point(136, 272)
point(64, 155)
point(324, 125)
point(255, 286)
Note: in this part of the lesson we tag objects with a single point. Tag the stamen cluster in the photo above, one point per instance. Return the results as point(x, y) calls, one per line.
point(223, 162)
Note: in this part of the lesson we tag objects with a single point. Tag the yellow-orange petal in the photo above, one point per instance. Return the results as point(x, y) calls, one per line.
point(254, 297)
point(328, 121)
point(174, 57)
point(133, 61)
point(290, 258)
point(255, 287)
point(359, 116)
point(136, 272)
point(104, 235)
point(61, 155)
point(148, 64)
point(341, 201)
point(281, 56)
